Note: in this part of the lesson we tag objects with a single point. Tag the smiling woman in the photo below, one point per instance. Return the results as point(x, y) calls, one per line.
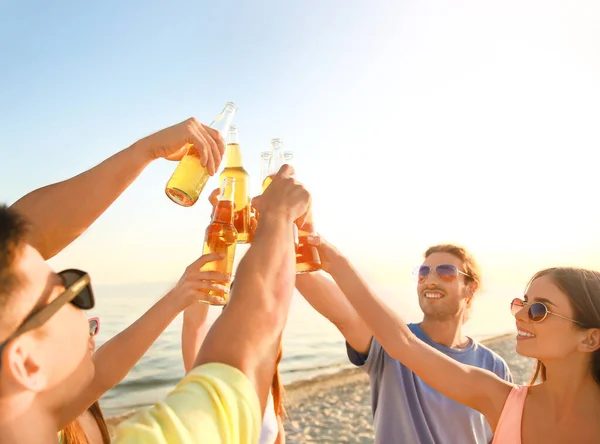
point(573, 295)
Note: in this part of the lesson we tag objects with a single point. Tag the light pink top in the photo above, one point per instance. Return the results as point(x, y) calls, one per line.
point(508, 430)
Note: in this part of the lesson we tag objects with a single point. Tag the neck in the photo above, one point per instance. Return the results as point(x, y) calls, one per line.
point(233, 156)
point(570, 388)
point(21, 422)
point(446, 332)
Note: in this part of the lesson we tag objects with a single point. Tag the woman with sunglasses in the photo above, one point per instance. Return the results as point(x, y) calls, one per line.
point(193, 333)
point(116, 358)
point(558, 324)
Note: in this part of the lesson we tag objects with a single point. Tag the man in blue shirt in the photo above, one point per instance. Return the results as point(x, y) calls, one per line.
point(405, 408)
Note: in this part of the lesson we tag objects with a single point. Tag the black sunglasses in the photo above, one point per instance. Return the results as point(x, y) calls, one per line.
point(537, 311)
point(446, 272)
point(78, 291)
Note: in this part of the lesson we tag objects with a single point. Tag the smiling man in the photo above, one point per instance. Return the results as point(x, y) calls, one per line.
point(405, 408)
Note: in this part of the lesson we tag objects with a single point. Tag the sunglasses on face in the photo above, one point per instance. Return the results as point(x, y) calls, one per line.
point(537, 311)
point(446, 272)
point(94, 326)
point(78, 292)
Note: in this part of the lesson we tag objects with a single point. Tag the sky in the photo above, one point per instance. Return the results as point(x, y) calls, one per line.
point(412, 122)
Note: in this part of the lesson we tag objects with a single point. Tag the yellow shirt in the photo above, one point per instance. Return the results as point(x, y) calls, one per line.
point(213, 404)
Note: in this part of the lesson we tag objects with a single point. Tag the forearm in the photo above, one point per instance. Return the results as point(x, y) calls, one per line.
point(60, 212)
point(325, 296)
point(118, 356)
point(246, 335)
point(193, 333)
point(389, 329)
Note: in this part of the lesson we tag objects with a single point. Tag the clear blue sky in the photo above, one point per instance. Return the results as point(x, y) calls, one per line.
point(412, 122)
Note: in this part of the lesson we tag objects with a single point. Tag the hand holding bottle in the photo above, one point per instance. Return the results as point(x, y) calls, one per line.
point(327, 252)
point(193, 286)
point(172, 143)
point(284, 197)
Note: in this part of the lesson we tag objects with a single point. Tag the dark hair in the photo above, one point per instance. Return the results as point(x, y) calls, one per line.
point(582, 287)
point(74, 434)
point(13, 232)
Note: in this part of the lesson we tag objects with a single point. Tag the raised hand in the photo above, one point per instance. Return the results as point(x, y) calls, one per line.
point(284, 197)
point(193, 286)
point(172, 143)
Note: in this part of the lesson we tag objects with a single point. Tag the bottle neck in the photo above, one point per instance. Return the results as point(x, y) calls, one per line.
point(233, 155)
point(277, 161)
point(223, 212)
point(223, 121)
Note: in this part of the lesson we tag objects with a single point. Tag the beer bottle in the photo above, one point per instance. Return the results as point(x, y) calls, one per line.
point(221, 235)
point(190, 177)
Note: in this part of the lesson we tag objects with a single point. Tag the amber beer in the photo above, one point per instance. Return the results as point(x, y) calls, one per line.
point(190, 177)
point(307, 256)
point(241, 199)
point(221, 235)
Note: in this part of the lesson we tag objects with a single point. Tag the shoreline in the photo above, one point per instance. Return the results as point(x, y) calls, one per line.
point(298, 393)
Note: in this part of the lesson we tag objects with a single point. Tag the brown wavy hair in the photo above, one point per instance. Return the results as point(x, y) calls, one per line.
point(582, 287)
point(74, 434)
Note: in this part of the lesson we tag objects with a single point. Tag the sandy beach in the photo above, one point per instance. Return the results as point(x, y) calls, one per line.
point(336, 408)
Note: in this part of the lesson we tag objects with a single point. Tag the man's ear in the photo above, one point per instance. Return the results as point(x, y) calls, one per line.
point(19, 361)
point(471, 289)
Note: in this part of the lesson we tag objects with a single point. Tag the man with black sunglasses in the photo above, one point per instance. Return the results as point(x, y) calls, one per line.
point(44, 334)
point(405, 408)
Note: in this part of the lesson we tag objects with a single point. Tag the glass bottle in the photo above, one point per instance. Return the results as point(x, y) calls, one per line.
point(307, 256)
point(265, 158)
point(221, 235)
point(234, 168)
point(190, 177)
point(276, 161)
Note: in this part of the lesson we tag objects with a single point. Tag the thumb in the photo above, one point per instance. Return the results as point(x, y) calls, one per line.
point(314, 240)
point(256, 202)
point(213, 198)
point(215, 300)
point(178, 154)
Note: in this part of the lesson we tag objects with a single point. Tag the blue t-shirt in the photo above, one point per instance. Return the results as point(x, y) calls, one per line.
point(407, 410)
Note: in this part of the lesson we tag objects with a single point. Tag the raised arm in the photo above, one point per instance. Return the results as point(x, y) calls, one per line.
point(117, 357)
point(327, 298)
point(474, 387)
point(60, 212)
point(246, 335)
point(193, 333)
point(324, 296)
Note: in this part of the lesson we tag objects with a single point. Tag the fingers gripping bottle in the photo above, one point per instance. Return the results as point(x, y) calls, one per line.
point(190, 177)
